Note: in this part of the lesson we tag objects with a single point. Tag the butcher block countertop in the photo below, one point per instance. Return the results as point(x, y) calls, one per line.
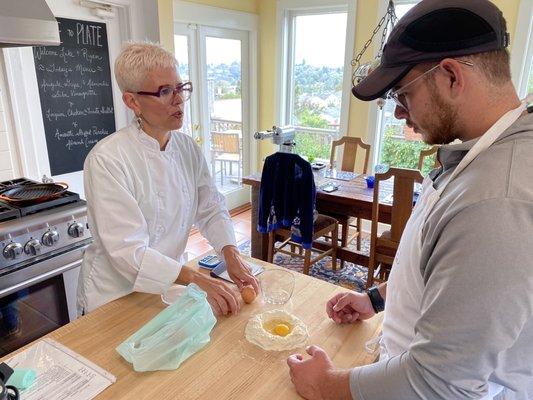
point(229, 367)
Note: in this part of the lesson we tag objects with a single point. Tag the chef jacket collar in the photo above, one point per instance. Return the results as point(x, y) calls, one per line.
point(153, 145)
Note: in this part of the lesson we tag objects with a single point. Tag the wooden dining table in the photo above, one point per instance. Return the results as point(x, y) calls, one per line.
point(352, 199)
point(228, 367)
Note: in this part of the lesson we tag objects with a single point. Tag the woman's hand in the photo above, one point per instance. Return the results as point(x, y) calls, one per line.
point(223, 300)
point(346, 308)
point(221, 297)
point(238, 270)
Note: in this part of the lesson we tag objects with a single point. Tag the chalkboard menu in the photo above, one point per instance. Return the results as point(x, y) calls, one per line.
point(74, 82)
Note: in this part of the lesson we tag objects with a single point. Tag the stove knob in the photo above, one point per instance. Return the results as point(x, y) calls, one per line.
point(50, 238)
point(12, 251)
point(75, 230)
point(33, 247)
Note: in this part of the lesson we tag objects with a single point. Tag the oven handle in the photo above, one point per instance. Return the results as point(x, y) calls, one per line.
point(39, 278)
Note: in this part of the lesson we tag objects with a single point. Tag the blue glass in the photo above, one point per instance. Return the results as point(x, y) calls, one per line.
point(369, 182)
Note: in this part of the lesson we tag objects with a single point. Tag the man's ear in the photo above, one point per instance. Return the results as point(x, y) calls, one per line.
point(454, 75)
point(131, 102)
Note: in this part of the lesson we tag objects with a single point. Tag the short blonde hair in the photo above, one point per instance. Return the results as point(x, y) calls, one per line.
point(136, 60)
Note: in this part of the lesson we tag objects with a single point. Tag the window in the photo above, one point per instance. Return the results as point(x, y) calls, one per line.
point(397, 144)
point(313, 97)
point(216, 50)
point(530, 79)
point(522, 50)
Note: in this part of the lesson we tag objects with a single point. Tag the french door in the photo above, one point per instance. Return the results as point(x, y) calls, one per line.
point(216, 61)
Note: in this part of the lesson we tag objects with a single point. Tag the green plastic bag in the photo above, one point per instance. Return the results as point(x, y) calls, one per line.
point(171, 336)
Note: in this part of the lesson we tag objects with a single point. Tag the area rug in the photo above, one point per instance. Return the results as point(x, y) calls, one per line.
point(351, 276)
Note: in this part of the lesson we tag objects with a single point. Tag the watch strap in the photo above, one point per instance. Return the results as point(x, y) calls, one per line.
point(378, 304)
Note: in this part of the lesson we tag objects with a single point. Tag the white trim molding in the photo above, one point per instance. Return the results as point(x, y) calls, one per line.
point(214, 16)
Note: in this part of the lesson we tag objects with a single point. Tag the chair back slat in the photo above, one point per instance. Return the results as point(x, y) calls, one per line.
point(402, 202)
point(349, 156)
point(426, 153)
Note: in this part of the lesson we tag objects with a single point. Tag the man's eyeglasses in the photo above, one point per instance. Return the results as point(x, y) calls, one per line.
point(398, 96)
point(167, 93)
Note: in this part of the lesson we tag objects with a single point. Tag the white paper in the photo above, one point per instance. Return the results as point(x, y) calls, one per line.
point(61, 373)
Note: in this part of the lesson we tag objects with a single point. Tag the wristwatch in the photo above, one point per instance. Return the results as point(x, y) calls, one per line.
point(378, 304)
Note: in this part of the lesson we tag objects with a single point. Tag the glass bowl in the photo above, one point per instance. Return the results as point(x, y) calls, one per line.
point(277, 286)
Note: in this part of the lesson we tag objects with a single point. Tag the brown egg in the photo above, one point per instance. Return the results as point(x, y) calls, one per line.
point(248, 294)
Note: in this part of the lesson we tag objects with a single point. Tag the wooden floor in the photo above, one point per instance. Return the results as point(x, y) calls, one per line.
point(198, 245)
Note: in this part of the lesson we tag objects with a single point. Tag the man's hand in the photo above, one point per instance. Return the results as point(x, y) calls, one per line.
point(223, 299)
point(237, 269)
point(316, 378)
point(346, 308)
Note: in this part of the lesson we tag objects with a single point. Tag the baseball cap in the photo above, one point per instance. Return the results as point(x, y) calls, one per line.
point(433, 30)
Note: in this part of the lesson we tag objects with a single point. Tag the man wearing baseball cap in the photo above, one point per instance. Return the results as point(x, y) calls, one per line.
point(458, 305)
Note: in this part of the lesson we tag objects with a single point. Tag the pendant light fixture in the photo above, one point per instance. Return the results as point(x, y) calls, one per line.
point(362, 70)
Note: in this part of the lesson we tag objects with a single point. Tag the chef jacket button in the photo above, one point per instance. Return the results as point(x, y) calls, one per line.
point(160, 193)
point(160, 229)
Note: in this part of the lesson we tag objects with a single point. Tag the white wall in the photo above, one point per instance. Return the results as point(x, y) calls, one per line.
point(26, 155)
point(9, 165)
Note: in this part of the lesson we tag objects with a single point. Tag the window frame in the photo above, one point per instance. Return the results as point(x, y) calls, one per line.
point(520, 68)
point(208, 20)
point(286, 10)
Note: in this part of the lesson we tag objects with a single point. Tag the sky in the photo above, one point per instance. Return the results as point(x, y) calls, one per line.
point(222, 51)
point(320, 39)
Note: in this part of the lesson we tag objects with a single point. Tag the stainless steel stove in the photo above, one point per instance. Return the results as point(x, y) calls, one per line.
point(41, 249)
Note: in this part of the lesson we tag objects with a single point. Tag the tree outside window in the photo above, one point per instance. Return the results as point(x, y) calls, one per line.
point(315, 80)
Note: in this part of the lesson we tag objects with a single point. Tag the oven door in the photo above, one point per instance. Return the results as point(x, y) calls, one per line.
point(38, 298)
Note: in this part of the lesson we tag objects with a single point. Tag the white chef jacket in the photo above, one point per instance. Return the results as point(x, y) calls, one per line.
point(141, 204)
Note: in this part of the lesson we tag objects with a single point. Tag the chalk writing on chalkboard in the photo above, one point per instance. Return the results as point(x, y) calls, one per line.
point(74, 82)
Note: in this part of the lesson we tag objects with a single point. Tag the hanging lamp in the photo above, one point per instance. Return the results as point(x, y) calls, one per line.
point(362, 70)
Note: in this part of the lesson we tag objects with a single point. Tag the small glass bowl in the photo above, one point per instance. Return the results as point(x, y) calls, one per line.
point(277, 286)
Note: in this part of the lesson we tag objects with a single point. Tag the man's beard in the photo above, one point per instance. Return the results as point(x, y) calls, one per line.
point(443, 127)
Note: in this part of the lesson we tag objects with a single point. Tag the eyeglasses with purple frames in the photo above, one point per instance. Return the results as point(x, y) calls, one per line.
point(168, 93)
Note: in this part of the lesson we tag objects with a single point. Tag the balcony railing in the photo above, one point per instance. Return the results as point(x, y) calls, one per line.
point(223, 125)
point(322, 135)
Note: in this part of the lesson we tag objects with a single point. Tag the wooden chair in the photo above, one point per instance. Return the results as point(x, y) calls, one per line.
point(383, 248)
point(349, 156)
point(348, 163)
point(323, 225)
point(225, 148)
point(426, 153)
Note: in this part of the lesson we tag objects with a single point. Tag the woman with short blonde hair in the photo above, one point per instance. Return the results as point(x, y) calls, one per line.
point(146, 185)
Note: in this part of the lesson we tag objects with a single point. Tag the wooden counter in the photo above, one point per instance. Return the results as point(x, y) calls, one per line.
point(229, 367)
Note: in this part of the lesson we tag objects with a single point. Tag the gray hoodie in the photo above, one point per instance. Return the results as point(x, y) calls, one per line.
point(477, 266)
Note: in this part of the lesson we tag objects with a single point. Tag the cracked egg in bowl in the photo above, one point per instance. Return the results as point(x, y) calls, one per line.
point(276, 330)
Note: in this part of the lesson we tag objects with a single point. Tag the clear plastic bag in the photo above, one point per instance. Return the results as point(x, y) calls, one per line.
point(173, 335)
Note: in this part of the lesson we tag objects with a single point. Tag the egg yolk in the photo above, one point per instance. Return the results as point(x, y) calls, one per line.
point(282, 330)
